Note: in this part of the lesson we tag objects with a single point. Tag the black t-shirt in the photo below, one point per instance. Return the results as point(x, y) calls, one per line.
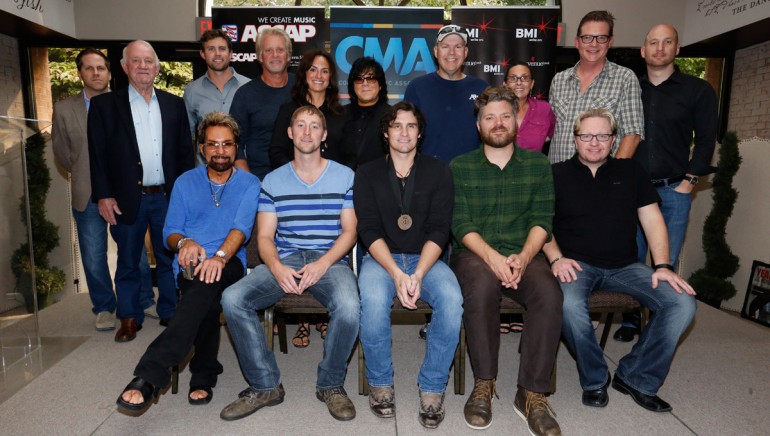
point(596, 217)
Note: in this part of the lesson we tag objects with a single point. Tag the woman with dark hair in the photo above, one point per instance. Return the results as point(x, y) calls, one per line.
point(316, 84)
point(368, 91)
point(535, 118)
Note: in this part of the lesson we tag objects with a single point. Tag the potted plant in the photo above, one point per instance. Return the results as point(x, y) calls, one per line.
point(49, 279)
point(711, 281)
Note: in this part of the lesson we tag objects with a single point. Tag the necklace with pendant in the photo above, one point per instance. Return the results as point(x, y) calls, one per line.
point(217, 195)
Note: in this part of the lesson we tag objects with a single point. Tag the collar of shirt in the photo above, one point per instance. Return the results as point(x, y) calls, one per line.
point(516, 158)
point(674, 78)
point(133, 94)
point(606, 166)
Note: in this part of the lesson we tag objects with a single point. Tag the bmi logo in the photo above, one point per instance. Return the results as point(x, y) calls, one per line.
point(526, 33)
point(232, 31)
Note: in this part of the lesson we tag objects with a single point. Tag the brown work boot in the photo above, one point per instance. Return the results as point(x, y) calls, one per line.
point(382, 401)
point(338, 403)
point(478, 408)
point(249, 401)
point(534, 408)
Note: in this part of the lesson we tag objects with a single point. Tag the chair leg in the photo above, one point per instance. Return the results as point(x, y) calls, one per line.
point(363, 383)
point(553, 374)
point(268, 326)
point(175, 379)
point(282, 342)
point(459, 363)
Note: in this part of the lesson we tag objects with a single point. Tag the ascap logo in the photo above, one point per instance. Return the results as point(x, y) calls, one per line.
point(418, 56)
point(297, 32)
point(243, 57)
point(473, 97)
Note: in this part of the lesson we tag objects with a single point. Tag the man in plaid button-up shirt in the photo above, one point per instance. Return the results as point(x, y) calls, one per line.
point(595, 82)
point(504, 202)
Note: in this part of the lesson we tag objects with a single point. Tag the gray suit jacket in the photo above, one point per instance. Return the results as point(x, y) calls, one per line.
point(70, 146)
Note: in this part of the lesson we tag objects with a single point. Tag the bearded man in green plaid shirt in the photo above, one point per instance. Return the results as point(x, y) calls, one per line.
point(504, 205)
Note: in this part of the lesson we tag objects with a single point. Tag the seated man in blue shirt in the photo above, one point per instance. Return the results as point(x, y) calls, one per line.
point(210, 214)
point(305, 227)
point(599, 201)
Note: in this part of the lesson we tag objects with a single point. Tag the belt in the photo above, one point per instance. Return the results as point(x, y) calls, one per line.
point(665, 182)
point(154, 189)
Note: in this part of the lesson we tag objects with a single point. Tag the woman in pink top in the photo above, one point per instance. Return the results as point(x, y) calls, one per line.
point(535, 119)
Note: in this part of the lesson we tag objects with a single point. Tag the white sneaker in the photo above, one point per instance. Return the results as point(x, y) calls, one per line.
point(152, 312)
point(105, 321)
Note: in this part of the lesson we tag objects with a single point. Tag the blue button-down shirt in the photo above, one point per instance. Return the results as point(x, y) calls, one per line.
point(149, 135)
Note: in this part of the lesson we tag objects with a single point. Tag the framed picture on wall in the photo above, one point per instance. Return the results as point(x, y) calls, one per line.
point(756, 306)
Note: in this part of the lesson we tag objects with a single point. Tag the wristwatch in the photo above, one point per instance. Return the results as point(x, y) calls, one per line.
point(180, 243)
point(692, 179)
point(221, 254)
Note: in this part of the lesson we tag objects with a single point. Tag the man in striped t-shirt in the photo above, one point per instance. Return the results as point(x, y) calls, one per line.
point(306, 226)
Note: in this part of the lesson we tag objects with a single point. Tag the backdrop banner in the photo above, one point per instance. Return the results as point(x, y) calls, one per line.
point(400, 39)
point(306, 27)
point(501, 36)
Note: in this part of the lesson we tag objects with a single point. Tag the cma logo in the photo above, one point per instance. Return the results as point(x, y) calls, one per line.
point(297, 32)
point(418, 55)
point(526, 33)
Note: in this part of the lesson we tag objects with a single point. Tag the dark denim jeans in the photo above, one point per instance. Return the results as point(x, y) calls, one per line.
point(646, 366)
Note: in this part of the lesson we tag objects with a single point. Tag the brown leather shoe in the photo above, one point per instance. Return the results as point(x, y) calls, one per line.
point(338, 403)
point(478, 408)
point(127, 330)
point(534, 408)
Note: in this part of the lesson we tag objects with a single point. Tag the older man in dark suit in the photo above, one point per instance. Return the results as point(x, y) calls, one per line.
point(139, 142)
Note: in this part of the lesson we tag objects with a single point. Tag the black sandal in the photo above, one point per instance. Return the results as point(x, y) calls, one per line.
point(200, 401)
point(303, 334)
point(149, 392)
point(321, 328)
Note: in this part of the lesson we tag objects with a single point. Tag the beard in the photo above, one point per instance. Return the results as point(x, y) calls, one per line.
point(494, 141)
point(219, 166)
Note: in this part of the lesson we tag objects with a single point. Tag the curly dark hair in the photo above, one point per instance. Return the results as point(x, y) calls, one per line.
point(364, 65)
point(299, 92)
point(390, 116)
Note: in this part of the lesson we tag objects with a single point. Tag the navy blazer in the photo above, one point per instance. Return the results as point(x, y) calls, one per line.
point(116, 166)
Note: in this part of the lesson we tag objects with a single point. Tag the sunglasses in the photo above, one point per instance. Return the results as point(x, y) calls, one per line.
point(358, 80)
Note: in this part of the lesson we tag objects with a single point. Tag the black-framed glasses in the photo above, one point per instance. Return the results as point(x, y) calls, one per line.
point(514, 79)
point(358, 80)
point(226, 144)
point(601, 39)
point(586, 137)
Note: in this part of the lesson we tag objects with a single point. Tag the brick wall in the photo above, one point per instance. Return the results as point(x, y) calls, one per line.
point(750, 100)
point(10, 78)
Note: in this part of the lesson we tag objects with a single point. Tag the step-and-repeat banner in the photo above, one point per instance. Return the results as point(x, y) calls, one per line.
point(402, 39)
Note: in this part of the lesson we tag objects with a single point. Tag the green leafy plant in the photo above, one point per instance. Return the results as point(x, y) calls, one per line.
point(49, 279)
point(711, 280)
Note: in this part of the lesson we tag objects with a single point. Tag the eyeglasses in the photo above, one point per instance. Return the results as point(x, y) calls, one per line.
point(213, 145)
point(358, 80)
point(601, 39)
point(514, 79)
point(602, 137)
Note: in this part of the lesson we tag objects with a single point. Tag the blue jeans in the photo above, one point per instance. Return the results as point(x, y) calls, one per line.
point(130, 241)
point(336, 290)
point(440, 290)
point(92, 241)
point(675, 208)
point(646, 366)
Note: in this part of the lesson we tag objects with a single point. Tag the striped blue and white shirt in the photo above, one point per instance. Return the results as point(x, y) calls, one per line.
point(308, 214)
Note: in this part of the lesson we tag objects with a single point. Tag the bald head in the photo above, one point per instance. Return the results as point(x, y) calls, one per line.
point(663, 27)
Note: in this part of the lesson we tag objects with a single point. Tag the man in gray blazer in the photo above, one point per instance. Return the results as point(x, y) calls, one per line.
point(70, 147)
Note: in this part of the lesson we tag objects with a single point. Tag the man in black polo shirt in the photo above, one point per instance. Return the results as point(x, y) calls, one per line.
point(598, 202)
point(676, 105)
